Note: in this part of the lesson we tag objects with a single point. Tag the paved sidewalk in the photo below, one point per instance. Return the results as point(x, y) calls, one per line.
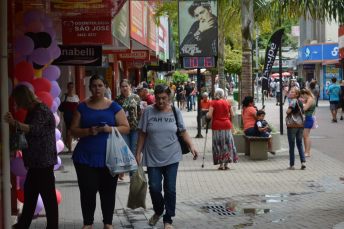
point(252, 194)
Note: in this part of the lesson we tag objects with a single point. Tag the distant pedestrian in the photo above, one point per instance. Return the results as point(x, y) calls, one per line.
point(335, 91)
point(107, 93)
point(205, 105)
point(278, 93)
point(314, 88)
point(179, 91)
point(39, 158)
point(194, 93)
point(184, 95)
point(188, 95)
point(162, 153)
point(143, 92)
point(341, 100)
point(90, 152)
point(273, 87)
point(224, 150)
point(131, 105)
point(295, 132)
point(71, 102)
point(173, 92)
point(309, 109)
point(292, 86)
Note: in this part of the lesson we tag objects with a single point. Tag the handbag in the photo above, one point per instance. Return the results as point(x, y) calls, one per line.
point(295, 120)
point(315, 123)
point(63, 105)
point(183, 145)
point(119, 158)
point(17, 139)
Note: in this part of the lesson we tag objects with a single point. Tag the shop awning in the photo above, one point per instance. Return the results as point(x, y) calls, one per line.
point(331, 62)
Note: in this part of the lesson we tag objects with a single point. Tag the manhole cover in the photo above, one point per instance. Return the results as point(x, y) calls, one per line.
point(318, 137)
point(218, 210)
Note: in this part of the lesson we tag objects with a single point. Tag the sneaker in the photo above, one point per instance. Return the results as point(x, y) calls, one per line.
point(303, 166)
point(291, 168)
point(341, 117)
point(334, 121)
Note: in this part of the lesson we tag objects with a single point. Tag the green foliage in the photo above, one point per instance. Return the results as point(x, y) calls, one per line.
point(273, 129)
point(238, 129)
point(159, 81)
point(182, 77)
point(233, 61)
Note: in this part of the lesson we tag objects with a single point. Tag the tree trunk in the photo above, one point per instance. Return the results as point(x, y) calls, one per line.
point(247, 21)
point(221, 45)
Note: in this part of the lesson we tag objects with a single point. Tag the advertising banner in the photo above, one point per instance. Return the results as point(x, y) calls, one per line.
point(198, 31)
point(134, 55)
point(80, 55)
point(341, 42)
point(152, 62)
point(81, 6)
point(318, 52)
point(308, 67)
point(109, 77)
point(331, 71)
point(86, 31)
point(270, 55)
point(163, 42)
point(120, 25)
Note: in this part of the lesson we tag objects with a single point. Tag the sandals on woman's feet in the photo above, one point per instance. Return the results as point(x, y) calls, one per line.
point(226, 168)
point(220, 168)
point(168, 227)
point(154, 221)
point(273, 153)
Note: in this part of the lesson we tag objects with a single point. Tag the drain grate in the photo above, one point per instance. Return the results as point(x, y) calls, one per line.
point(218, 210)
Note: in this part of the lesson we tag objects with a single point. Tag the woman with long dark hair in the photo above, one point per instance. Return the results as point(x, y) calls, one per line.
point(309, 109)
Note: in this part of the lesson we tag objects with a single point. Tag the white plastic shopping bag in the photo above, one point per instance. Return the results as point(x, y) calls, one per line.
point(119, 158)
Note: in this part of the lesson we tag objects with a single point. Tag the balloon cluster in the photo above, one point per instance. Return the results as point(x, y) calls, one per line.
point(35, 50)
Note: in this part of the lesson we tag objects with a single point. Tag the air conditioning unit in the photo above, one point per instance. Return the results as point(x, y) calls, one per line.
point(314, 41)
point(306, 42)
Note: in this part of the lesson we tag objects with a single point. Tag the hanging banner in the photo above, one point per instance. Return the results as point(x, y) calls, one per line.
point(80, 55)
point(120, 25)
point(270, 55)
point(86, 31)
point(198, 31)
point(330, 71)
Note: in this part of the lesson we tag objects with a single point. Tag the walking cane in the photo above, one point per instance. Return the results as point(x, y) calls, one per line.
point(205, 142)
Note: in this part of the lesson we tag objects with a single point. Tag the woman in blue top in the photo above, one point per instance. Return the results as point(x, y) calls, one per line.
point(90, 153)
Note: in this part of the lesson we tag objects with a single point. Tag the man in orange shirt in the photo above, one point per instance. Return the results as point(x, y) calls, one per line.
point(205, 103)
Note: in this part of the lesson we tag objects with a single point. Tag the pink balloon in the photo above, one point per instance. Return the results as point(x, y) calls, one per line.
point(57, 134)
point(48, 20)
point(22, 182)
point(57, 100)
point(57, 166)
point(60, 144)
point(24, 45)
point(30, 16)
point(54, 107)
point(21, 28)
point(36, 26)
point(39, 206)
point(56, 53)
point(58, 149)
point(17, 167)
point(18, 34)
point(39, 12)
point(51, 73)
point(53, 46)
point(57, 119)
point(51, 32)
point(26, 84)
point(41, 56)
point(55, 89)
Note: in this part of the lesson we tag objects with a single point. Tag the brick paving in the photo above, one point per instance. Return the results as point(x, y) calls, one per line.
point(261, 194)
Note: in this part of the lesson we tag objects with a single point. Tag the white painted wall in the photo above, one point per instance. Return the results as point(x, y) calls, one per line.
point(331, 32)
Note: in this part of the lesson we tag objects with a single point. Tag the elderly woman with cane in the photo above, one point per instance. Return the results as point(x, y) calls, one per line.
point(224, 150)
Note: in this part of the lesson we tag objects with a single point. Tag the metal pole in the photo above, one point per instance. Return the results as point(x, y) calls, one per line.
point(199, 112)
point(5, 151)
point(257, 36)
point(280, 74)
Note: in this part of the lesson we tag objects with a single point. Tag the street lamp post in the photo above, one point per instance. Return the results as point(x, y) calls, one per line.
point(257, 36)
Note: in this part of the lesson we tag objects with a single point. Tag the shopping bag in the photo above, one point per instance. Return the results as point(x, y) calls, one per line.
point(137, 190)
point(315, 124)
point(119, 158)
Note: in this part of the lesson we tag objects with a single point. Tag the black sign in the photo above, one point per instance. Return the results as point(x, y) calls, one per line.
point(270, 55)
point(80, 56)
point(198, 29)
point(163, 67)
point(198, 62)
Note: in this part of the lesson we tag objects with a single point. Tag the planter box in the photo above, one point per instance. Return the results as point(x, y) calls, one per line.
point(238, 120)
point(276, 141)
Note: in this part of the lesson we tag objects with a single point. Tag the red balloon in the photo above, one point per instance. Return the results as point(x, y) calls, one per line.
point(20, 195)
point(41, 84)
point(24, 72)
point(46, 98)
point(20, 115)
point(58, 196)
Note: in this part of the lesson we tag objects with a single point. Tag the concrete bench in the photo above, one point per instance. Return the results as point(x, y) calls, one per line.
point(256, 147)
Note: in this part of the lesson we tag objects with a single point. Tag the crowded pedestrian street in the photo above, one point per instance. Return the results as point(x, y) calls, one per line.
point(252, 194)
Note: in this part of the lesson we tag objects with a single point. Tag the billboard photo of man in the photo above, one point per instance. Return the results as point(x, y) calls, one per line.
point(198, 28)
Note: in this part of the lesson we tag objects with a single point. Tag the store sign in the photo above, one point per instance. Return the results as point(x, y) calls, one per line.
point(82, 6)
point(109, 76)
point(86, 31)
point(318, 52)
point(142, 25)
point(135, 55)
point(120, 25)
point(139, 63)
point(163, 43)
point(198, 30)
point(341, 42)
point(331, 71)
point(80, 55)
point(152, 62)
point(309, 67)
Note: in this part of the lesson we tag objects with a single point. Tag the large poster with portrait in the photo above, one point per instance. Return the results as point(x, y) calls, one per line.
point(198, 31)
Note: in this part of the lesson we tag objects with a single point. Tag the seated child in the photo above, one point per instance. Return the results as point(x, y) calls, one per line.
point(261, 127)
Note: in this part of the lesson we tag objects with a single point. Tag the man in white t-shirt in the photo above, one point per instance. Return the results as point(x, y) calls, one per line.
point(107, 93)
point(278, 92)
point(273, 88)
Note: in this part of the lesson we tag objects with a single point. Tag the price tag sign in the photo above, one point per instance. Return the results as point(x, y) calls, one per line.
point(199, 62)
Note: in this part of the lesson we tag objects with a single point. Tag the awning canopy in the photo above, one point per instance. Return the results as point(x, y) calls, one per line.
point(331, 62)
